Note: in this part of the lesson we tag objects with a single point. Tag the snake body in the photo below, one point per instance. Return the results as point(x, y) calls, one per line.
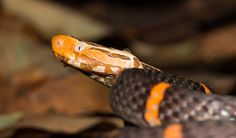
point(150, 102)
point(206, 129)
point(142, 94)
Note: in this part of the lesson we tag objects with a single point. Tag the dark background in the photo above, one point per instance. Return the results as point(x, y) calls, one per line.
point(41, 98)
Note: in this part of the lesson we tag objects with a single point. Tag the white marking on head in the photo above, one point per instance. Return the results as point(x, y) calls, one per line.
point(71, 62)
point(82, 61)
point(81, 46)
point(115, 69)
point(77, 64)
point(99, 69)
point(128, 65)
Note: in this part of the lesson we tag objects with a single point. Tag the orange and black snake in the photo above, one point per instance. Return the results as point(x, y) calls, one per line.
point(159, 104)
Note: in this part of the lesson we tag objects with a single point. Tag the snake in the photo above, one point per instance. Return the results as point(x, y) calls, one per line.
point(157, 103)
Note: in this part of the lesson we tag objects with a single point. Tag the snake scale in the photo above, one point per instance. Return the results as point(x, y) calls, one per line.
point(159, 104)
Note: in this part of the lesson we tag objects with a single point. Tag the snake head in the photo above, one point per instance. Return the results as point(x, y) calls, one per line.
point(94, 59)
point(64, 47)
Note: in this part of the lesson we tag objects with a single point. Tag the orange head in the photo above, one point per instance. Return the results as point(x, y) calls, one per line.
point(92, 57)
point(64, 46)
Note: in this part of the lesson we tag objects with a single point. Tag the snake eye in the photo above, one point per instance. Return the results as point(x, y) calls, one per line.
point(79, 47)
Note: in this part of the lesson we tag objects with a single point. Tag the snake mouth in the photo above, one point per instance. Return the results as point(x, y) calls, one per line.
point(65, 62)
point(61, 58)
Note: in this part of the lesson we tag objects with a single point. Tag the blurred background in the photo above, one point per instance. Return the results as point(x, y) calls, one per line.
point(39, 97)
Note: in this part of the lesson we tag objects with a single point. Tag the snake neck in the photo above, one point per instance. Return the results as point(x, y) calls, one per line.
point(149, 67)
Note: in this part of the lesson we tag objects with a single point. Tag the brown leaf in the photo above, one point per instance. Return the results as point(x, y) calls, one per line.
point(64, 124)
point(218, 45)
point(72, 94)
point(52, 19)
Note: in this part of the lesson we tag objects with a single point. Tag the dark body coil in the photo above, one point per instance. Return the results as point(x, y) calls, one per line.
point(206, 129)
point(130, 94)
point(175, 80)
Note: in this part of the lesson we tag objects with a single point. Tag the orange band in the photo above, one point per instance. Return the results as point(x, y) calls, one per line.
point(207, 90)
point(152, 106)
point(173, 131)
